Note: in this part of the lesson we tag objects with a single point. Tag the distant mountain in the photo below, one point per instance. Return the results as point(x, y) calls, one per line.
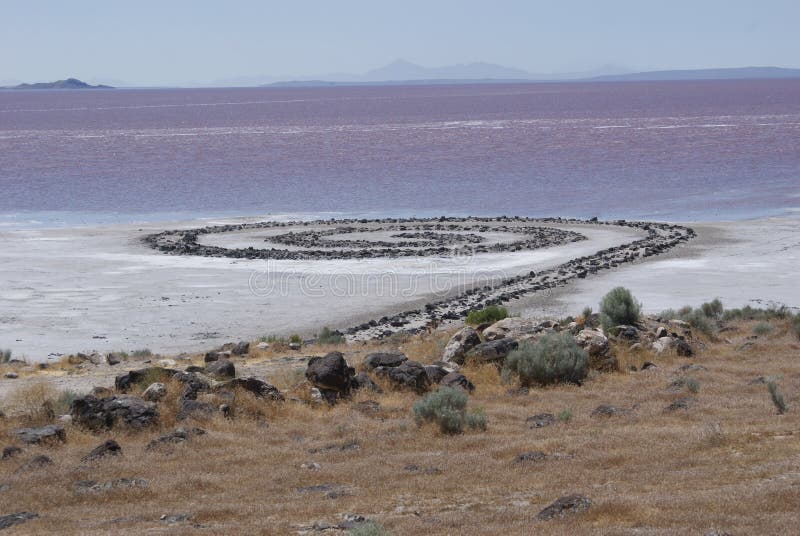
point(69, 83)
point(740, 73)
point(404, 70)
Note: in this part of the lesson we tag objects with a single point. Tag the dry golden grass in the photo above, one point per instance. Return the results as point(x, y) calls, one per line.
point(729, 463)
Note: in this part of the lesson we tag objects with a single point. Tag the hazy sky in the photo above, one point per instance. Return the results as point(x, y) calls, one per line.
point(183, 41)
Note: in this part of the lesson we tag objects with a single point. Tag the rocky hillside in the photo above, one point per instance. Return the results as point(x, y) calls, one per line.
point(510, 427)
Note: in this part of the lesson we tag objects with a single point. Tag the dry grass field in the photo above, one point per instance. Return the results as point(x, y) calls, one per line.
point(729, 463)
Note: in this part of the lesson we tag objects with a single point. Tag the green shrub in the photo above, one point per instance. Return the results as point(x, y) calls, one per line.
point(702, 323)
point(476, 420)
point(369, 528)
point(447, 407)
point(618, 307)
point(565, 416)
point(777, 397)
point(492, 314)
point(712, 309)
point(796, 325)
point(144, 352)
point(762, 328)
point(553, 358)
point(295, 338)
point(5, 356)
point(328, 336)
point(63, 402)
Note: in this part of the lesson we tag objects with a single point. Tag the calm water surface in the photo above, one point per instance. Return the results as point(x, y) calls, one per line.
point(661, 150)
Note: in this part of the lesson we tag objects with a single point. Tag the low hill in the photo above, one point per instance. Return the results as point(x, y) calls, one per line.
point(69, 83)
point(740, 73)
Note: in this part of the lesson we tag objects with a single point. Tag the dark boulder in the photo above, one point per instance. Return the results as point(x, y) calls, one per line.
point(107, 448)
point(16, 519)
point(409, 375)
point(435, 373)
point(241, 348)
point(456, 379)
point(211, 356)
point(363, 381)
point(331, 375)
point(51, 433)
point(683, 348)
point(382, 359)
point(570, 504)
point(106, 413)
point(221, 368)
point(195, 409)
point(259, 388)
point(125, 381)
point(492, 351)
point(10, 452)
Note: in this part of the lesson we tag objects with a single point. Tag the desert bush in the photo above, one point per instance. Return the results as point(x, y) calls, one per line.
point(295, 339)
point(329, 336)
point(142, 352)
point(369, 528)
point(5, 356)
point(796, 325)
point(762, 328)
point(447, 407)
point(492, 313)
point(619, 307)
point(553, 358)
point(777, 397)
point(712, 309)
point(34, 404)
point(565, 416)
point(702, 323)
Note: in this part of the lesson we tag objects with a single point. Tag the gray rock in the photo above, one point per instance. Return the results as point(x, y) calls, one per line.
point(16, 519)
point(10, 452)
point(331, 375)
point(515, 328)
point(683, 403)
point(11, 375)
point(535, 456)
point(259, 388)
point(435, 373)
point(456, 379)
point(221, 368)
point(570, 504)
point(125, 381)
point(179, 435)
point(606, 410)
point(492, 351)
point(91, 486)
point(36, 463)
point(107, 448)
point(51, 433)
point(409, 375)
point(114, 358)
point(241, 348)
point(384, 359)
point(540, 420)
point(106, 413)
point(155, 392)
point(460, 343)
point(363, 381)
point(195, 409)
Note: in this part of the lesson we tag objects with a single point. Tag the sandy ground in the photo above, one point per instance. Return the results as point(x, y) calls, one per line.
point(100, 288)
point(755, 262)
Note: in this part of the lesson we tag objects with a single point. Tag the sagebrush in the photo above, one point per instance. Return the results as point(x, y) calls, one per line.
point(553, 358)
